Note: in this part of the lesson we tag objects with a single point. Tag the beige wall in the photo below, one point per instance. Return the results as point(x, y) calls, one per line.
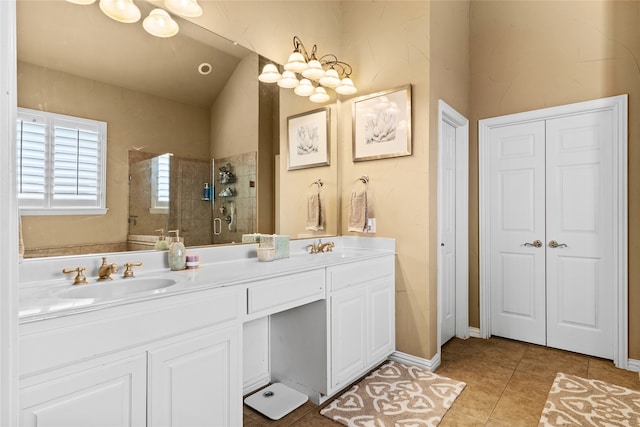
point(133, 120)
point(234, 110)
point(528, 55)
point(388, 43)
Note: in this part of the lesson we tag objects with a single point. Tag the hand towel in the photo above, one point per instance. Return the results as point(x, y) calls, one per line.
point(358, 212)
point(314, 213)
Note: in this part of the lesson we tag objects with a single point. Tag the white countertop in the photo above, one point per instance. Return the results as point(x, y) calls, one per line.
point(42, 288)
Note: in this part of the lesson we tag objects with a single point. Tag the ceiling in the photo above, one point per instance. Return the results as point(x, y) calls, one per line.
point(81, 40)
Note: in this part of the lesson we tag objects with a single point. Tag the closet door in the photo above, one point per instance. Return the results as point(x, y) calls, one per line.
point(517, 223)
point(580, 200)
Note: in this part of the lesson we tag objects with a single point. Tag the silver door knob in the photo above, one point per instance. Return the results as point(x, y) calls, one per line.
point(535, 244)
point(554, 244)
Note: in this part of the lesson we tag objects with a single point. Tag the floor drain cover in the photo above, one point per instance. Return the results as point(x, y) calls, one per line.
point(276, 401)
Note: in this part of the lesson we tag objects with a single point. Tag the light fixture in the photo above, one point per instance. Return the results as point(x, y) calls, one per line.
point(319, 95)
point(186, 8)
point(121, 10)
point(160, 24)
point(305, 88)
point(288, 80)
point(317, 74)
point(269, 74)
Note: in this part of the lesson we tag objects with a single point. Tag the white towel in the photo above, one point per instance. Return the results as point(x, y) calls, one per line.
point(314, 213)
point(358, 212)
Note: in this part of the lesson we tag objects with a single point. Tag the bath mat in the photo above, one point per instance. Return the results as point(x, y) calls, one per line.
point(575, 401)
point(394, 395)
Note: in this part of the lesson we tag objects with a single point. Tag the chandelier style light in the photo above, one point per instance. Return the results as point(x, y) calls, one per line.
point(309, 75)
point(159, 23)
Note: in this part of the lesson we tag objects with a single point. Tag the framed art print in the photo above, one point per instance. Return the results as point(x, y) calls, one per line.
point(382, 125)
point(308, 139)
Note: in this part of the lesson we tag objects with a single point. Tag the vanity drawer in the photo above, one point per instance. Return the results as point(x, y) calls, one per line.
point(282, 293)
point(356, 273)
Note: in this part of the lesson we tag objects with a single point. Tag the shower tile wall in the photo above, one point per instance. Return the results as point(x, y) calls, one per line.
point(243, 201)
point(192, 213)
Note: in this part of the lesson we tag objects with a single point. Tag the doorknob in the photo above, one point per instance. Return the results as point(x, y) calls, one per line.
point(535, 244)
point(554, 244)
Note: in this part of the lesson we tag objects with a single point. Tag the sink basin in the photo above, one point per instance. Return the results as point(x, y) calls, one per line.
point(124, 287)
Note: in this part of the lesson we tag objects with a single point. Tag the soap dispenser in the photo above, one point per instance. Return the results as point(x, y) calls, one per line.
point(161, 243)
point(177, 252)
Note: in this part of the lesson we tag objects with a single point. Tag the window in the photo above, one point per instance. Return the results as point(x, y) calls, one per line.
point(160, 184)
point(60, 162)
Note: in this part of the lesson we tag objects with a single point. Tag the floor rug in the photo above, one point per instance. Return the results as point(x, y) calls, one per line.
point(395, 395)
point(575, 401)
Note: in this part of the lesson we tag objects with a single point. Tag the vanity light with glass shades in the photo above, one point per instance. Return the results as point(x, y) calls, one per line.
point(317, 74)
point(185, 352)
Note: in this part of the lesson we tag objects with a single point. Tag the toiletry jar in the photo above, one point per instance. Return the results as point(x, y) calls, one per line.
point(266, 254)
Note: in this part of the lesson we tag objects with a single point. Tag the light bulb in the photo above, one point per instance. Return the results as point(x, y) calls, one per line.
point(314, 70)
point(320, 95)
point(121, 10)
point(305, 88)
point(346, 87)
point(330, 79)
point(288, 80)
point(160, 24)
point(269, 74)
point(186, 8)
point(296, 63)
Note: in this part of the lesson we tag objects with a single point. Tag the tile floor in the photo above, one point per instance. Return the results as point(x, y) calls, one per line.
point(507, 383)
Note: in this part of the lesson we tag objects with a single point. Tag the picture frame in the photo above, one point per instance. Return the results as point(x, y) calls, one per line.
point(382, 125)
point(308, 139)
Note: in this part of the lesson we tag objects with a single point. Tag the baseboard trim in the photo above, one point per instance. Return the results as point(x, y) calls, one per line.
point(407, 359)
point(254, 384)
point(474, 332)
point(633, 365)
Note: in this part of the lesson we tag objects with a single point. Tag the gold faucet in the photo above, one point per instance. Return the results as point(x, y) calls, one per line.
point(80, 278)
point(320, 247)
point(106, 270)
point(128, 272)
point(325, 247)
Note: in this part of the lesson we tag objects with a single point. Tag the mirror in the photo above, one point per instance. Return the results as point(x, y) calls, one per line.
point(156, 98)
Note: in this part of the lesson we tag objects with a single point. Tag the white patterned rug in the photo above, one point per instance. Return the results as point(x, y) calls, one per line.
point(395, 395)
point(575, 401)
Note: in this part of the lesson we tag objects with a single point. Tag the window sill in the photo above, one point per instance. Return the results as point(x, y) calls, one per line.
point(63, 211)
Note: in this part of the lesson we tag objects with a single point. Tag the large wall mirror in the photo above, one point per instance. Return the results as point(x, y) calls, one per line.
point(211, 121)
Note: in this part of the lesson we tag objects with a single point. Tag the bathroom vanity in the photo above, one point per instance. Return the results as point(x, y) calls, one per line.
point(184, 353)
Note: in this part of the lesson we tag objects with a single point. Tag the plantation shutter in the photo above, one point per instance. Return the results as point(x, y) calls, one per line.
point(61, 165)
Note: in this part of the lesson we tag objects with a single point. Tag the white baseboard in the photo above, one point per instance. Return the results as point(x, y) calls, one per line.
point(633, 365)
point(407, 359)
point(474, 332)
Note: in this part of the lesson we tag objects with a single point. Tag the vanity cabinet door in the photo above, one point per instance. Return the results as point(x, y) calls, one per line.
point(348, 334)
point(381, 320)
point(196, 381)
point(109, 395)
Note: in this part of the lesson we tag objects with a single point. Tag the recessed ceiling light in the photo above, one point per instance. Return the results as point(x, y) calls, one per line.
point(205, 68)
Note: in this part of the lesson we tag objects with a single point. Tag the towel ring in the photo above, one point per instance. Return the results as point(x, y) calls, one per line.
point(363, 179)
point(317, 182)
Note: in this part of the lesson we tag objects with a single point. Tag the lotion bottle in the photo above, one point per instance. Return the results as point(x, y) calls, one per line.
point(161, 244)
point(177, 252)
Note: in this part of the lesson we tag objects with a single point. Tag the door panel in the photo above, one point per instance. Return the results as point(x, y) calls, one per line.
point(517, 155)
point(448, 232)
point(580, 194)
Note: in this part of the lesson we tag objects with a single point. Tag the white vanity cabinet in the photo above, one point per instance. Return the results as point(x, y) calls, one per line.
point(165, 362)
point(322, 347)
point(362, 313)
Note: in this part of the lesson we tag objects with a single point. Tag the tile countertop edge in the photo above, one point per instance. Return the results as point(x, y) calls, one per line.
point(215, 259)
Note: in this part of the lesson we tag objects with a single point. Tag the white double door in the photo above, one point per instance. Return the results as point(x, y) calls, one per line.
point(551, 195)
